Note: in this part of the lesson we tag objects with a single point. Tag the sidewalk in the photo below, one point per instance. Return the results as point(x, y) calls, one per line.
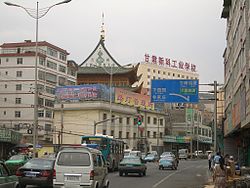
point(210, 183)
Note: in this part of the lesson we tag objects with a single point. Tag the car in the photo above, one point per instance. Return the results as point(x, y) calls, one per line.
point(131, 164)
point(166, 154)
point(135, 153)
point(7, 179)
point(151, 157)
point(183, 154)
point(80, 166)
point(15, 162)
point(168, 162)
point(37, 171)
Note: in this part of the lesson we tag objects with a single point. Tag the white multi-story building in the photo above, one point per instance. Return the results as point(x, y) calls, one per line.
point(164, 68)
point(17, 83)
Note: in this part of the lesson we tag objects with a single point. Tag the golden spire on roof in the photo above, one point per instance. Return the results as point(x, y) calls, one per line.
point(102, 29)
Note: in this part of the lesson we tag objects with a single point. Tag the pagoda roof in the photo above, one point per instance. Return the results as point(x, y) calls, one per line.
point(101, 52)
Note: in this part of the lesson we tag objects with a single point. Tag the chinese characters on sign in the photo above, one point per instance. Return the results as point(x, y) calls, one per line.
point(170, 63)
point(123, 96)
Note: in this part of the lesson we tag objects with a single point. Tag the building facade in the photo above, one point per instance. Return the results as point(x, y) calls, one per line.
point(17, 85)
point(236, 79)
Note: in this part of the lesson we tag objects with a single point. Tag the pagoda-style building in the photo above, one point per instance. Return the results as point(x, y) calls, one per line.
point(100, 67)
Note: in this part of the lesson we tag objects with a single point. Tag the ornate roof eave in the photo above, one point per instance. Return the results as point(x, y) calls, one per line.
point(101, 42)
point(104, 70)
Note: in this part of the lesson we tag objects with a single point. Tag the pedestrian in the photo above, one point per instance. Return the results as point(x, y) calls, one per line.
point(219, 175)
point(209, 160)
point(216, 159)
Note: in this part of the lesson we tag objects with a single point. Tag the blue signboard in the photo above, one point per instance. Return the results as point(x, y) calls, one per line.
point(175, 91)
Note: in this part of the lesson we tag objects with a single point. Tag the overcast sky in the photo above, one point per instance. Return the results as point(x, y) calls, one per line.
point(185, 30)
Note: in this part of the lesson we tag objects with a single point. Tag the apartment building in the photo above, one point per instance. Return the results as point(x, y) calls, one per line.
point(17, 84)
point(237, 79)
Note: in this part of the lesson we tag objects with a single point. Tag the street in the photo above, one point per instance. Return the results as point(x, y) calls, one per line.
point(190, 174)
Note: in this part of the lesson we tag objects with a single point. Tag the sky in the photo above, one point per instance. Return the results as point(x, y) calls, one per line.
point(186, 30)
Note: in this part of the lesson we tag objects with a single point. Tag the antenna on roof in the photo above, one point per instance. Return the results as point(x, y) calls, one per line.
point(102, 29)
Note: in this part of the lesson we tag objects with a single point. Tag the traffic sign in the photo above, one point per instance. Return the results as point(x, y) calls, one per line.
point(175, 91)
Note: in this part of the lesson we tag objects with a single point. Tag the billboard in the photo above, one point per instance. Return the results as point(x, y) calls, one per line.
point(83, 92)
point(175, 91)
point(126, 97)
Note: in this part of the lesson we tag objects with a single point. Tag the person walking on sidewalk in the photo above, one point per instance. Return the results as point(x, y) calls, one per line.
point(219, 175)
point(209, 160)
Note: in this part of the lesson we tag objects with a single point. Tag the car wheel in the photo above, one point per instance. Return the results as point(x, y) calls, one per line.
point(126, 174)
point(22, 185)
point(160, 167)
point(120, 173)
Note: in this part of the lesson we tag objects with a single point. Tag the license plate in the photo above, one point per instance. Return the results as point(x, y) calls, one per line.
point(72, 178)
point(30, 175)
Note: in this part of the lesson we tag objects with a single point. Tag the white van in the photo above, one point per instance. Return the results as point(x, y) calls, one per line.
point(183, 154)
point(80, 167)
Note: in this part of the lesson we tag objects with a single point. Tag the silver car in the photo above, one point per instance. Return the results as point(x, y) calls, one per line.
point(80, 167)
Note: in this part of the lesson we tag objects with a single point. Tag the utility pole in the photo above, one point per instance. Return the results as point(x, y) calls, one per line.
point(215, 116)
point(61, 133)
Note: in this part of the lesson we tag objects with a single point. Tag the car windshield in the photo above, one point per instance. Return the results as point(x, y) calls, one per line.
point(131, 160)
point(39, 163)
point(166, 159)
point(74, 159)
point(17, 157)
point(166, 153)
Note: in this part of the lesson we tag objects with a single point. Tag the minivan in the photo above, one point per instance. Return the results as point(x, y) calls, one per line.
point(80, 167)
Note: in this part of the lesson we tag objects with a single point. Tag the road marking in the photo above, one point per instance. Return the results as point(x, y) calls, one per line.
point(198, 175)
point(164, 179)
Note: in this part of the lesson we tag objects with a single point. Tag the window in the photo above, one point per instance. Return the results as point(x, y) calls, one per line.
point(154, 135)
point(71, 83)
point(18, 87)
point(49, 103)
point(112, 132)
point(154, 71)
point(113, 119)
point(18, 114)
point(120, 120)
point(5, 86)
point(148, 76)
point(48, 114)
point(148, 134)
point(155, 121)
point(42, 61)
point(50, 90)
point(104, 131)
point(19, 73)
point(40, 113)
point(52, 52)
point(51, 65)
point(40, 101)
point(134, 136)
point(148, 70)
point(120, 134)
point(7, 59)
point(148, 120)
point(47, 127)
point(19, 61)
point(40, 87)
point(159, 72)
point(41, 75)
point(127, 135)
point(51, 78)
point(128, 120)
point(4, 113)
point(161, 121)
point(18, 100)
point(62, 81)
point(0, 61)
point(17, 127)
point(173, 74)
point(104, 116)
point(73, 159)
point(62, 56)
point(6, 72)
point(62, 68)
point(71, 72)
point(161, 134)
point(5, 99)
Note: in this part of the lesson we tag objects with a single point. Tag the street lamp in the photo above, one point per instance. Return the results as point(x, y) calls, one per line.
point(36, 14)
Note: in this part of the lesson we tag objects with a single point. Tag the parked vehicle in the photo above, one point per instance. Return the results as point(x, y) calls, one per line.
point(112, 149)
point(7, 179)
point(151, 157)
point(168, 162)
point(127, 152)
point(15, 162)
point(131, 164)
point(183, 154)
point(80, 167)
point(135, 154)
point(36, 172)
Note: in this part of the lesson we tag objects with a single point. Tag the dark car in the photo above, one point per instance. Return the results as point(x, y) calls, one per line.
point(132, 165)
point(168, 162)
point(36, 172)
point(6, 178)
point(15, 162)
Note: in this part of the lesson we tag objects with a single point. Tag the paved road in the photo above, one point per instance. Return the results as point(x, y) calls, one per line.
point(190, 174)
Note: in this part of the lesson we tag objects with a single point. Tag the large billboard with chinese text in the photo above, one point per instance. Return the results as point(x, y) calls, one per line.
point(126, 97)
point(175, 91)
point(83, 92)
